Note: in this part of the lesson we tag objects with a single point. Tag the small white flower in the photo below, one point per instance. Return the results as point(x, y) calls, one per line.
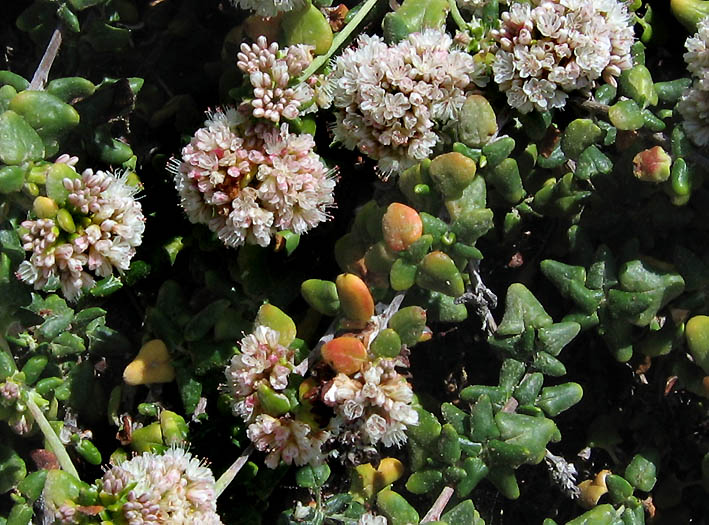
point(553, 47)
point(390, 99)
point(266, 8)
point(173, 488)
point(286, 439)
point(694, 105)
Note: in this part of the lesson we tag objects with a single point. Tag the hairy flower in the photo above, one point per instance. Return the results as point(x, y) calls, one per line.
point(694, 105)
point(172, 488)
point(270, 74)
point(262, 361)
point(247, 182)
point(378, 399)
point(268, 7)
point(553, 47)
point(392, 99)
point(287, 439)
point(108, 226)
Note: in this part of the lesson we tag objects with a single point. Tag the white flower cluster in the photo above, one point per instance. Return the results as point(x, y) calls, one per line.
point(694, 105)
point(262, 361)
point(172, 488)
point(378, 399)
point(247, 182)
point(392, 99)
point(270, 73)
point(553, 47)
point(287, 439)
point(268, 7)
point(106, 225)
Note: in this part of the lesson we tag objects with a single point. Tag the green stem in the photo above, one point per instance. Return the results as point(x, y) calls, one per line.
point(53, 441)
point(343, 35)
point(228, 476)
point(457, 17)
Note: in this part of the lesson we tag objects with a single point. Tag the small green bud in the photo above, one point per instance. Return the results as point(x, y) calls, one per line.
point(65, 220)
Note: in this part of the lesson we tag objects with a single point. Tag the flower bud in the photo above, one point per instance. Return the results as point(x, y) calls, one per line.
point(65, 221)
point(652, 165)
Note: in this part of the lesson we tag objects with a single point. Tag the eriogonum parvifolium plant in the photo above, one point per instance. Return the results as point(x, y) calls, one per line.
point(354, 263)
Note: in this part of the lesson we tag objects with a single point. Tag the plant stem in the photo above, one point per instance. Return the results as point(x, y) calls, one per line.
point(53, 441)
point(39, 80)
point(457, 17)
point(338, 40)
point(436, 510)
point(233, 470)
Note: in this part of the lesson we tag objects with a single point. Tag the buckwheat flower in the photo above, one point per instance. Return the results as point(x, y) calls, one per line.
point(271, 73)
point(263, 360)
point(553, 47)
point(248, 181)
point(172, 488)
point(287, 439)
point(694, 105)
point(369, 518)
point(108, 226)
point(393, 100)
point(378, 399)
point(266, 8)
point(296, 187)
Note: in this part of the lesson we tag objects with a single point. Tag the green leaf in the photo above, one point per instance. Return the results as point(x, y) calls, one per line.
point(641, 472)
point(19, 143)
point(12, 469)
point(311, 477)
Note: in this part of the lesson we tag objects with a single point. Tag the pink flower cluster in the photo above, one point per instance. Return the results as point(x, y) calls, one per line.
point(262, 361)
point(248, 181)
point(106, 225)
point(270, 73)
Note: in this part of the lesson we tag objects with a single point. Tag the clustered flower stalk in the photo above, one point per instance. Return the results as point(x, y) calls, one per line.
point(171, 488)
point(392, 100)
point(245, 174)
point(694, 105)
point(95, 233)
point(550, 48)
point(369, 401)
